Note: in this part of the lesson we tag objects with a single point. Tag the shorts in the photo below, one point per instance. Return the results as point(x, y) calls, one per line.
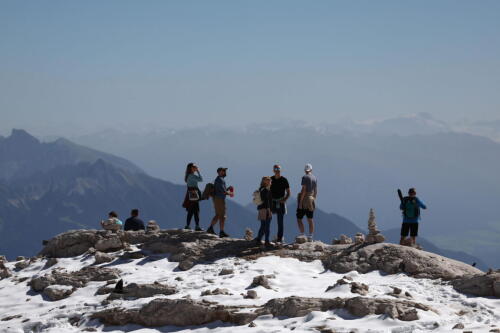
point(220, 207)
point(306, 212)
point(411, 228)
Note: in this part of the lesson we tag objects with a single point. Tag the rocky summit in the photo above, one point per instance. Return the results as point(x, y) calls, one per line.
point(185, 281)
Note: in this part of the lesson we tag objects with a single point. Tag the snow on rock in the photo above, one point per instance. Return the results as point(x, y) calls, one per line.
point(156, 293)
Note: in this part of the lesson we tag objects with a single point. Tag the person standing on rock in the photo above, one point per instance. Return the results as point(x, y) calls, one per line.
point(307, 201)
point(280, 191)
point(134, 223)
point(219, 200)
point(264, 211)
point(410, 206)
point(193, 194)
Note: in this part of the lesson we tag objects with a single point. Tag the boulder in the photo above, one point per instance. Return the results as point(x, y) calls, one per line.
point(112, 243)
point(134, 291)
point(359, 238)
point(343, 239)
point(4, 271)
point(252, 294)
point(70, 244)
point(58, 292)
point(261, 280)
point(175, 312)
point(101, 258)
point(301, 239)
point(359, 288)
point(76, 279)
point(22, 264)
point(226, 271)
point(216, 291)
point(479, 285)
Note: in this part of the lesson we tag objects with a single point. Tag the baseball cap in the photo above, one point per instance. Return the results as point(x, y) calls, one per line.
point(308, 167)
point(219, 169)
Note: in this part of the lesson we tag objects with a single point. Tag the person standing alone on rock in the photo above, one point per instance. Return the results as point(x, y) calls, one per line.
point(280, 191)
point(264, 209)
point(219, 199)
point(134, 223)
point(410, 206)
point(306, 201)
point(193, 194)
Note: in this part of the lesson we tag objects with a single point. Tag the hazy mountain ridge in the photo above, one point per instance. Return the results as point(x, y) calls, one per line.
point(453, 172)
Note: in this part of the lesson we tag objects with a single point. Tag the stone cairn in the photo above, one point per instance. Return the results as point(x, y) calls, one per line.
point(374, 235)
point(152, 226)
point(248, 234)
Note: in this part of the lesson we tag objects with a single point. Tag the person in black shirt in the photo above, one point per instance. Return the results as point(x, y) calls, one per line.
point(264, 211)
point(134, 223)
point(280, 191)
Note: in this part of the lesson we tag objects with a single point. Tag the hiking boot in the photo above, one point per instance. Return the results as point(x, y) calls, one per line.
point(222, 234)
point(257, 241)
point(198, 228)
point(210, 230)
point(309, 238)
point(268, 244)
point(187, 227)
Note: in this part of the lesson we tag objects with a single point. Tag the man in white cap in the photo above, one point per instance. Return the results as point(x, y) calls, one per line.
point(306, 201)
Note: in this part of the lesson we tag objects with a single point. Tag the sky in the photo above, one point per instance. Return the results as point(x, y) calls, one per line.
point(71, 67)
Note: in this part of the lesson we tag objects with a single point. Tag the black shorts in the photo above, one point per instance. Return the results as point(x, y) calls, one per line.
point(304, 212)
point(411, 228)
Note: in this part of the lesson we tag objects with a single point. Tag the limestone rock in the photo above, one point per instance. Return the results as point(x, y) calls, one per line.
point(359, 238)
point(109, 244)
point(4, 271)
point(261, 280)
point(20, 258)
point(343, 239)
point(101, 258)
point(132, 255)
point(22, 264)
point(301, 239)
point(176, 312)
point(50, 262)
point(58, 292)
point(76, 279)
point(248, 234)
point(252, 294)
point(479, 285)
point(458, 326)
point(226, 271)
point(217, 291)
point(359, 288)
point(134, 291)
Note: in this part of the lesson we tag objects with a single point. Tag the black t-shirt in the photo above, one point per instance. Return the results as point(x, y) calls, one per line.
point(134, 224)
point(279, 187)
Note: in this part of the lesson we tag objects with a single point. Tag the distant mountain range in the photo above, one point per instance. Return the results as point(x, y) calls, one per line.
point(74, 187)
point(456, 174)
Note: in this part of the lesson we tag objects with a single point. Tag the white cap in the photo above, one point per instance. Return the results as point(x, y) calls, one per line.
point(308, 167)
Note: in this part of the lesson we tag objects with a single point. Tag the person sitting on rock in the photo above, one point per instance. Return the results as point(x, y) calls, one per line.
point(112, 223)
point(134, 223)
point(410, 206)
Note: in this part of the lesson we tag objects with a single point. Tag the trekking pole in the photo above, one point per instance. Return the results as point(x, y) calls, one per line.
point(400, 195)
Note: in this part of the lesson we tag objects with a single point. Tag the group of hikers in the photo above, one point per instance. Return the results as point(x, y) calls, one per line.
point(270, 199)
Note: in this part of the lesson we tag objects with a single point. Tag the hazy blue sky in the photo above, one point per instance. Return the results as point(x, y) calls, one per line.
point(94, 64)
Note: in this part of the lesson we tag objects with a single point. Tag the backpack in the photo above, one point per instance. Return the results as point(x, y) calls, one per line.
point(208, 192)
point(257, 200)
point(411, 208)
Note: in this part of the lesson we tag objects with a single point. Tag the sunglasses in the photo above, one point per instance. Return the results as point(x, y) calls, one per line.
point(277, 169)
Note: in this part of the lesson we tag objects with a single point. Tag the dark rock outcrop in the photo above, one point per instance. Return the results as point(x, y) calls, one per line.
point(134, 291)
